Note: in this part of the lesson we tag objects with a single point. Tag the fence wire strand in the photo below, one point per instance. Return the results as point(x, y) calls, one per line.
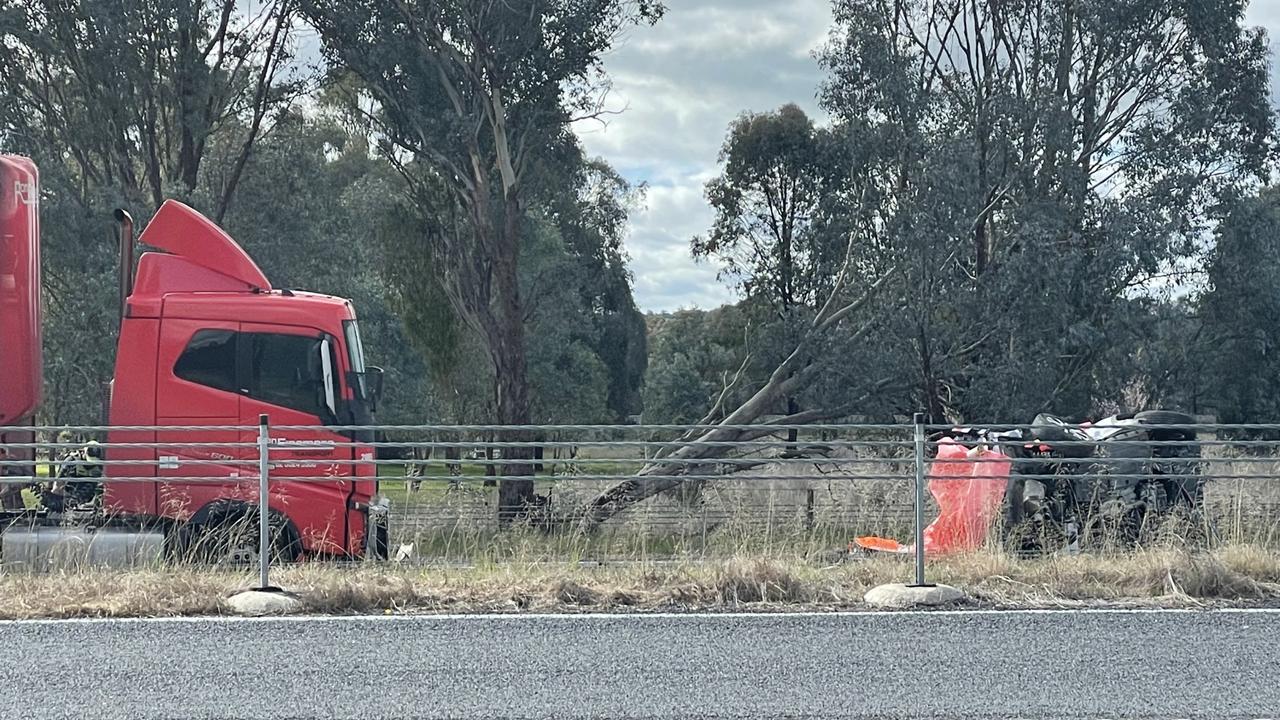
point(440, 484)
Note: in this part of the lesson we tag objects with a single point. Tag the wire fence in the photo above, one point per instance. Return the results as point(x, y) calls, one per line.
point(92, 495)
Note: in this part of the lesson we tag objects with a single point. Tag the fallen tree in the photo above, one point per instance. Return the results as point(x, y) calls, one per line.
point(708, 438)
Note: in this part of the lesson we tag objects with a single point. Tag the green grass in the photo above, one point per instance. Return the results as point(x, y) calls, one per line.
point(393, 483)
point(436, 492)
point(397, 491)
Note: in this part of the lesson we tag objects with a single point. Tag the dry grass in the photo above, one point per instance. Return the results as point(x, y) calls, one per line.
point(1168, 577)
point(112, 594)
point(1158, 576)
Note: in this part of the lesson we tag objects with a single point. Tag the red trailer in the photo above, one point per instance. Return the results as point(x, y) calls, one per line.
point(20, 366)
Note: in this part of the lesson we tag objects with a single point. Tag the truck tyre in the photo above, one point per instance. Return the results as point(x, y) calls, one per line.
point(1177, 464)
point(229, 535)
point(1187, 432)
point(1167, 417)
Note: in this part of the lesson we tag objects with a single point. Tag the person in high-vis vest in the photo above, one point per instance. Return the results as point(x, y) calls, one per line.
point(84, 475)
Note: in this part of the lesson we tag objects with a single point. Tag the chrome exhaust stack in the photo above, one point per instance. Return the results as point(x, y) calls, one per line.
point(125, 229)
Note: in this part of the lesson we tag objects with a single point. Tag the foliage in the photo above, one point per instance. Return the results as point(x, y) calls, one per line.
point(1033, 169)
point(586, 358)
point(693, 356)
point(593, 225)
point(776, 168)
point(130, 94)
point(80, 316)
point(199, 108)
point(1241, 312)
point(473, 99)
point(119, 104)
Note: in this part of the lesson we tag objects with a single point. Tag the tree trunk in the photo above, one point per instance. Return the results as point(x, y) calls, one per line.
point(188, 169)
point(507, 346)
point(515, 486)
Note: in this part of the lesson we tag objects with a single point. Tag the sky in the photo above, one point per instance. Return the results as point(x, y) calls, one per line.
point(676, 88)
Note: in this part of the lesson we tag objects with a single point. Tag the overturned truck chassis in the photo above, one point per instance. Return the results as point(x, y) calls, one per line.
point(1095, 483)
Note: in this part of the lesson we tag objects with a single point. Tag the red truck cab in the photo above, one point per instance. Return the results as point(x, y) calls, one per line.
point(207, 345)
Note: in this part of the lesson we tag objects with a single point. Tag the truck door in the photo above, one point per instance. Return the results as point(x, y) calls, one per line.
point(291, 375)
point(196, 386)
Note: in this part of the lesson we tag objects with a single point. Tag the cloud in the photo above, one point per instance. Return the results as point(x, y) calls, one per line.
point(678, 86)
point(659, 244)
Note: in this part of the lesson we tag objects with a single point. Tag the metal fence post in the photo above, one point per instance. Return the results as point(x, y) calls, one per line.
point(264, 500)
point(918, 421)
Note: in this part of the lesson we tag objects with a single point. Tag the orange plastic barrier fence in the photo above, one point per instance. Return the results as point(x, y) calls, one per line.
point(969, 486)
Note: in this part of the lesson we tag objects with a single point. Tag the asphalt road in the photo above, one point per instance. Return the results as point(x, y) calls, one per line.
point(922, 665)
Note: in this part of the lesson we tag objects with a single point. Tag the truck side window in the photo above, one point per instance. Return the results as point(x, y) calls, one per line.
point(210, 360)
point(285, 370)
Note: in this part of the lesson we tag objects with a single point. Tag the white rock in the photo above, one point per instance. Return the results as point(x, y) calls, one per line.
point(257, 603)
point(899, 595)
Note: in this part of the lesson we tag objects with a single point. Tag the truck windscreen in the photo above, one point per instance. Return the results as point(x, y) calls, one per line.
point(355, 350)
point(365, 381)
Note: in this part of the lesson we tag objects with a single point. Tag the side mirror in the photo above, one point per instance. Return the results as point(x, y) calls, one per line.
point(375, 391)
point(367, 385)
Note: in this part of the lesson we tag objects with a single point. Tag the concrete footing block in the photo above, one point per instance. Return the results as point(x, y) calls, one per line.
point(257, 603)
point(899, 595)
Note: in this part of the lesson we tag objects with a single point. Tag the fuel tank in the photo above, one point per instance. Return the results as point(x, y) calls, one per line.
point(60, 548)
point(21, 375)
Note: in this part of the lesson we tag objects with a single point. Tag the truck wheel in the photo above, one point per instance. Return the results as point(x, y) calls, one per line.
point(1171, 418)
point(233, 540)
point(1177, 465)
point(1164, 417)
